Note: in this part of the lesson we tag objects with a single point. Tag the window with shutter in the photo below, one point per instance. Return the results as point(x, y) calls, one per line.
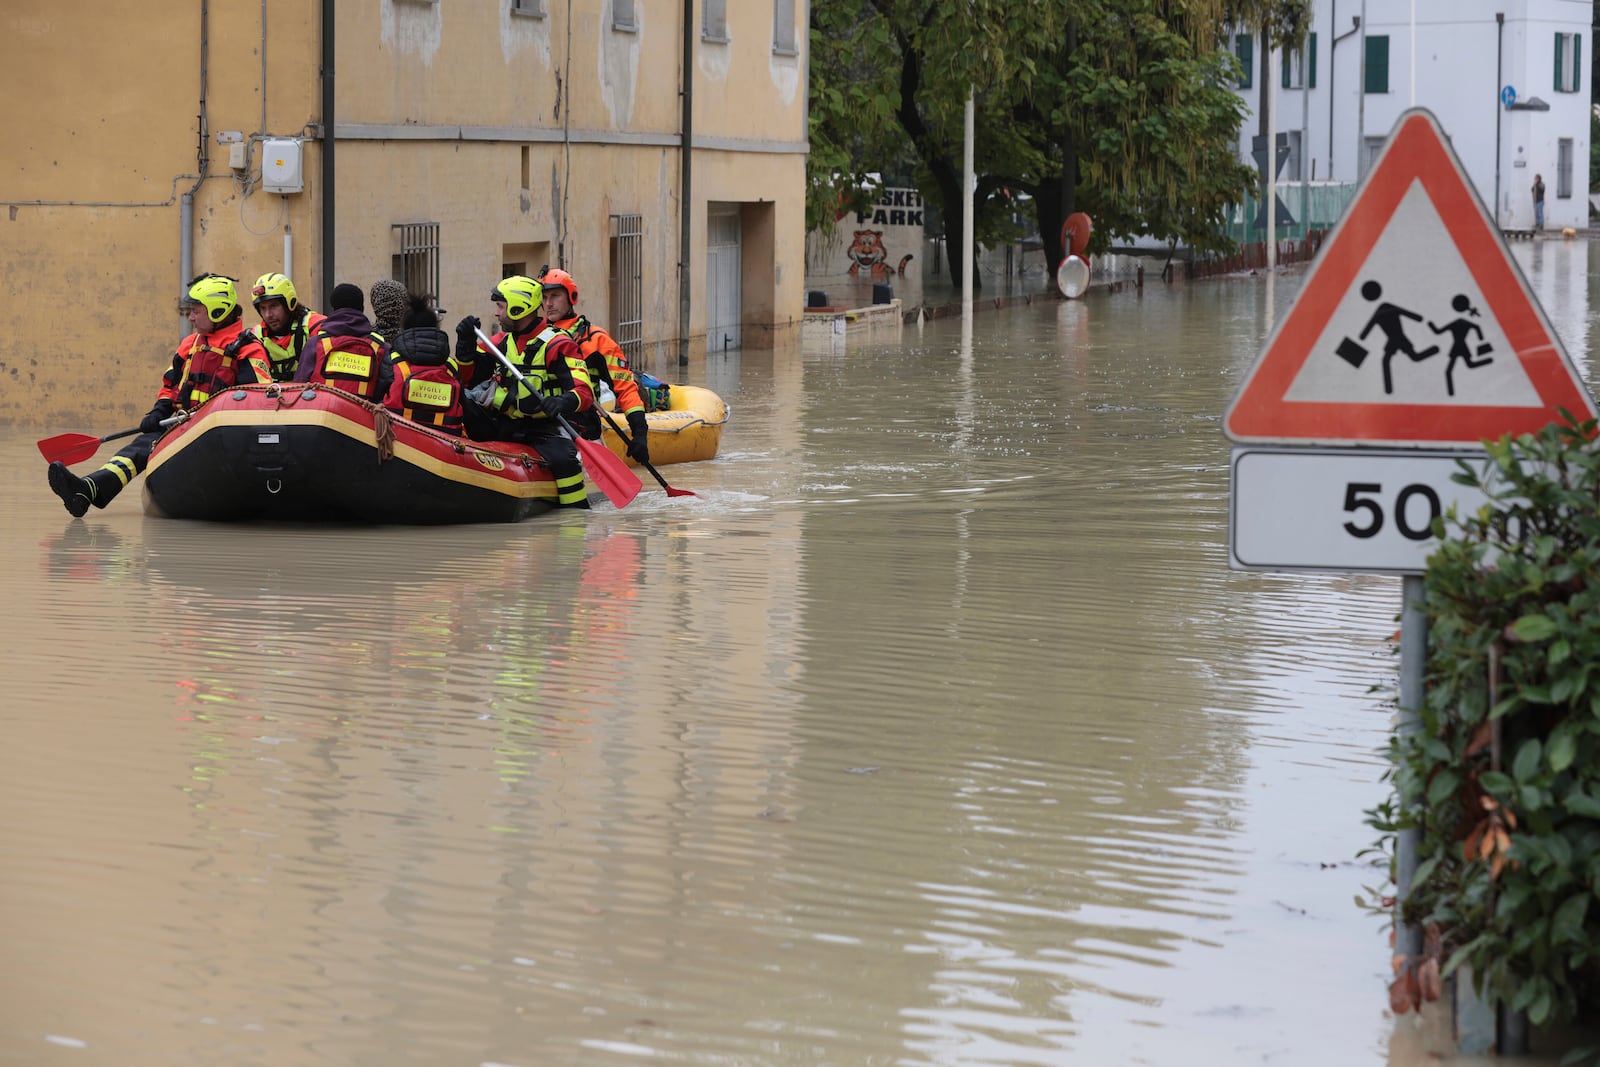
point(1377, 64)
point(1244, 49)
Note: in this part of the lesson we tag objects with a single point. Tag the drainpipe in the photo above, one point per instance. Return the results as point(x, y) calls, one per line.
point(685, 185)
point(328, 139)
point(202, 155)
point(1332, 28)
point(1499, 80)
point(1361, 101)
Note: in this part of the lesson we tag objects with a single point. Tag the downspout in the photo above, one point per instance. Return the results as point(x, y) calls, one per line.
point(1331, 69)
point(685, 186)
point(1499, 80)
point(1361, 100)
point(565, 97)
point(328, 140)
point(202, 155)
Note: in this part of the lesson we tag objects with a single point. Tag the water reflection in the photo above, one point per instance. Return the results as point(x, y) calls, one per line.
point(935, 730)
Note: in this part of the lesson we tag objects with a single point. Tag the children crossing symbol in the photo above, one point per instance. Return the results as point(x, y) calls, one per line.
point(1415, 268)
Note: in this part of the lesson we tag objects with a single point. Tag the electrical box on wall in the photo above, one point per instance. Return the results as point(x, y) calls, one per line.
point(280, 166)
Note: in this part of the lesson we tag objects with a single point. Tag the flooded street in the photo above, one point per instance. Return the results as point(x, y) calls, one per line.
point(934, 731)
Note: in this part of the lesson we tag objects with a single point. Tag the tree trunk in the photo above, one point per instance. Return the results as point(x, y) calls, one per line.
point(951, 207)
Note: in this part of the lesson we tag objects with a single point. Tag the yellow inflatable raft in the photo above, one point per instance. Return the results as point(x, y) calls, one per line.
point(690, 430)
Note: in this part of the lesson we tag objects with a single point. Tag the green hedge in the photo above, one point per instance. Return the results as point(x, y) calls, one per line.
point(1510, 826)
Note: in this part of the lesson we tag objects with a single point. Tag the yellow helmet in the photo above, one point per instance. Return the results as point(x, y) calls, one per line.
point(520, 294)
point(274, 286)
point(216, 293)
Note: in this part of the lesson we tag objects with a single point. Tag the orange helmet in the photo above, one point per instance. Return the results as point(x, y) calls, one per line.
point(557, 276)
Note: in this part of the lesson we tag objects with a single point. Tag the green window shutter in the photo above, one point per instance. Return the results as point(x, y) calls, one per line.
point(1244, 46)
point(1557, 85)
point(1311, 63)
point(1377, 65)
point(1285, 61)
point(1577, 62)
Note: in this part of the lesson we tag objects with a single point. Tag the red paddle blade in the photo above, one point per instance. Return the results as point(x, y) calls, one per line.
point(679, 492)
point(616, 481)
point(69, 448)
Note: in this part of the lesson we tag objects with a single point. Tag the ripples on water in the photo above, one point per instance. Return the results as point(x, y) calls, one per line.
point(934, 731)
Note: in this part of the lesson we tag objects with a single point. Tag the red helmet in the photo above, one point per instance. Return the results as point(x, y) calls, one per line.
point(557, 276)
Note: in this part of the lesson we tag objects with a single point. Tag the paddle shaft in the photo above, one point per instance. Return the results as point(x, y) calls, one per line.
point(72, 448)
point(628, 442)
point(612, 475)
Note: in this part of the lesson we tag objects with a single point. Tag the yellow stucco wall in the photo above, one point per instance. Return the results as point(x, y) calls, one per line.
point(441, 110)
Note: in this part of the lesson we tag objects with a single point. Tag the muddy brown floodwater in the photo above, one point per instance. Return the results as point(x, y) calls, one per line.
point(935, 730)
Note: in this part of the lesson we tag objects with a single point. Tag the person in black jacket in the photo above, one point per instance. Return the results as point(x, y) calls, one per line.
point(427, 379)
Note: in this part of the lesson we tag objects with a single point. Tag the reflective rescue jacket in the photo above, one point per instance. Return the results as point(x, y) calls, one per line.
point(355, 363)
point(205, 364)
point(283, 353)
point(606, 363)
point(551, 364)
point(427, 380)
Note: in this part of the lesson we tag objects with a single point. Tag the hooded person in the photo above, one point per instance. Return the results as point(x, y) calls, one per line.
point(427, 379)
point(389, 301)
point(343, 352)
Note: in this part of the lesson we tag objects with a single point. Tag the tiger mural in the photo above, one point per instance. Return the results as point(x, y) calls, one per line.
point(867, 251)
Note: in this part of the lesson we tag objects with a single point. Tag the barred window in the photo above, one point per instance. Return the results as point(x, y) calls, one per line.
point(416, 264)
point(627, 284)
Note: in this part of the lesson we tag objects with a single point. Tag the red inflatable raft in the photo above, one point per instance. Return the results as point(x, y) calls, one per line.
point(318, 454)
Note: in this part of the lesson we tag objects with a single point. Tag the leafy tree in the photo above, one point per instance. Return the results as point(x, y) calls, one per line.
point(1121, 108)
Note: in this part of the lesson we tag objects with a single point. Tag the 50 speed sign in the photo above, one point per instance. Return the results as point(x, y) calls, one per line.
point(1342, 509)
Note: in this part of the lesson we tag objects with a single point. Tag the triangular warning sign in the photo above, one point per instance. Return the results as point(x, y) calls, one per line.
point(1414, 326)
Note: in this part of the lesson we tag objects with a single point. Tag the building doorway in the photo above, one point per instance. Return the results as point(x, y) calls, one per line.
point(724, 310)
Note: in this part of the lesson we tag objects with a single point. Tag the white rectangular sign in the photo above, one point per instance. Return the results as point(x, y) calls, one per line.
point(1357, 510)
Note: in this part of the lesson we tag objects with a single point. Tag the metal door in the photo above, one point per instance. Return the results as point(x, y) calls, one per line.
point(722, 277)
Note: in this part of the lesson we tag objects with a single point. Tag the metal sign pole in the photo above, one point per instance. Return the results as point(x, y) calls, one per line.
point(1413, 657)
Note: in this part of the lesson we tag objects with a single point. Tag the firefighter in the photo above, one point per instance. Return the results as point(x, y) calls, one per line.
point(342, 351)
point(207, 362)
point(285, 324)
point(427, 379)
point(556, 383)
point(604, 359)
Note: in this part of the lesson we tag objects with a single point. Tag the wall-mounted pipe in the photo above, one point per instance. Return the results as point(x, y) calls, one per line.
point(329, 124)
point(685, 182)
point(1499, 80)
point(1333, 27)
point(202, 157)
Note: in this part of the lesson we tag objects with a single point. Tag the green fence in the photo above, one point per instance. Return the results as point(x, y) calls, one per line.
point(1314, 205)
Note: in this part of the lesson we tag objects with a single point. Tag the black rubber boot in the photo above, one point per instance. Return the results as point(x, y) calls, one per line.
point(104, 485)
point(75, 492)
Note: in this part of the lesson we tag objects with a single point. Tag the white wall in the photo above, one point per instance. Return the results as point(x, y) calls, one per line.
point(1456, 49)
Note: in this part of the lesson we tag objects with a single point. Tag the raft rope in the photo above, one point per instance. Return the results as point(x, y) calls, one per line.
point(383, 422)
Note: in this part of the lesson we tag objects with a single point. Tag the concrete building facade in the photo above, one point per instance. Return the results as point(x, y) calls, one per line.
point(1508, 80)
point(469, 139)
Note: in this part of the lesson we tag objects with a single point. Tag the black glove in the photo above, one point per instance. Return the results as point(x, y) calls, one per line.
point(639, 431)
point(565, 404)
point(152, 422)
point(467, 337)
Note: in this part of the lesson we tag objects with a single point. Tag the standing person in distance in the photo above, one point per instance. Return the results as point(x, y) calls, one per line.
point(602, 356)
point(556, 383)
point(1538, 201)
point(207, 362)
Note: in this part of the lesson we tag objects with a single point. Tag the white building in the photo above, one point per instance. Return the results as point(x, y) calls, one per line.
point(1507, 80)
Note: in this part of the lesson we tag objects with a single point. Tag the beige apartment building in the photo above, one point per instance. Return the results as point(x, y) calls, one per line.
point(655, 150)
